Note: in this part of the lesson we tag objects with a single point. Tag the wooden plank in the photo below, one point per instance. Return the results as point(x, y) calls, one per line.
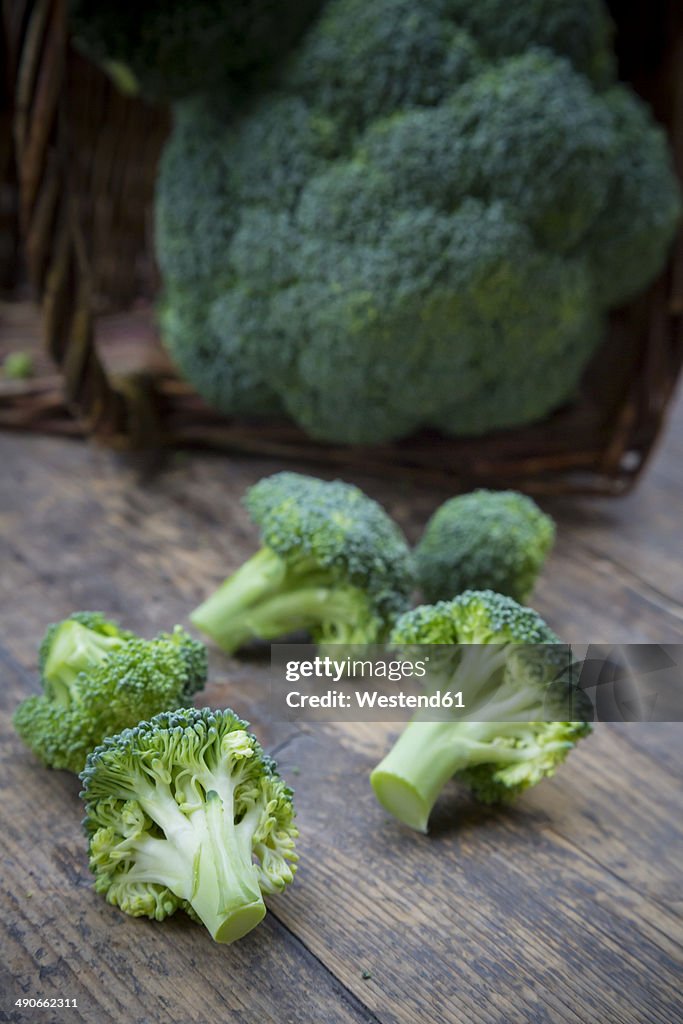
point(492, 917)
point(588, 599)
point(562, 909)
point(607, 791)
point(661, 741)
point(640, 534)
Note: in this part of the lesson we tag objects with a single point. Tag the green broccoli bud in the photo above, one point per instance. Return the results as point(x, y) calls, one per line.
point(638, 222)
point(486, 540)
point(98, 679)
point(171, 48)
point(74, 646)
point(515, 673)
point(18, 366)
point(516, 397)
point(186, 811)
point(459, 276)
point(332, 563)
point(580, 30)
point(362, 61)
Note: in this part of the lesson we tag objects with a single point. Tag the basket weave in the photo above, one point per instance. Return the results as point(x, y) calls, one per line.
point(8, 186)
point(86, 160)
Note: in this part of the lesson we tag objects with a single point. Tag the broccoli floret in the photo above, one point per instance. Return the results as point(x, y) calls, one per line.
point(459, 276)
point(186, 811)
point(98, 679)
point(514, 672)
point(167, 49)
point(18, 366)
point(518, 397)
point(370, 237)
point(76, 645)
point(201, 331)
point(528, 113)
point(189, 325)
point(486, 540)
point(362, 61)
point(332, 563)
point(433, 291)
point(638, 221)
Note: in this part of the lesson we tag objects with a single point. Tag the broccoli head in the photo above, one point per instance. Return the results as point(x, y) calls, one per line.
point(167, 49)
point(98, 679)
point(332, 563)
point(186, 811)
point(421, 223)
point(486, 540)
point(516, 677)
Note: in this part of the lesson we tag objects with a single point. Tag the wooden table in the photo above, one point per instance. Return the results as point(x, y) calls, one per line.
point(566, 908)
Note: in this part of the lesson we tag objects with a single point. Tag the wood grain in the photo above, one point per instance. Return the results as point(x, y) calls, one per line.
point(565, 909)
point(490, 903)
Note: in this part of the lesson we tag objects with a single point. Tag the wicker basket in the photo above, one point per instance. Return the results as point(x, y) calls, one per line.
point(8, 187)
point(86, 160)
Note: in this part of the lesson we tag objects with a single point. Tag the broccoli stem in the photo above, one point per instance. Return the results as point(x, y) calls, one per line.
point(267, 598)
point(205, 859)
point(429, 753)
point(409, 779)
point(227, 896)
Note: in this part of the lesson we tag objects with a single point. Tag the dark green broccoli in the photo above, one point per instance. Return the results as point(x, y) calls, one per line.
point(167, 49)
point(486, 540)
point(578, 29)
point(516, 677)
point(518, 397)
point(415, 225)
point(187, 812)
point(98, 679)
point(188, 316)
point(332, 563)
point(627, 238)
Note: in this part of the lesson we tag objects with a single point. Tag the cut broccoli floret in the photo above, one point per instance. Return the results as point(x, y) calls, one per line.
point(98, 679)
point(515, 674)
point(332, 563)
point(486, 540)
point(186, 811)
